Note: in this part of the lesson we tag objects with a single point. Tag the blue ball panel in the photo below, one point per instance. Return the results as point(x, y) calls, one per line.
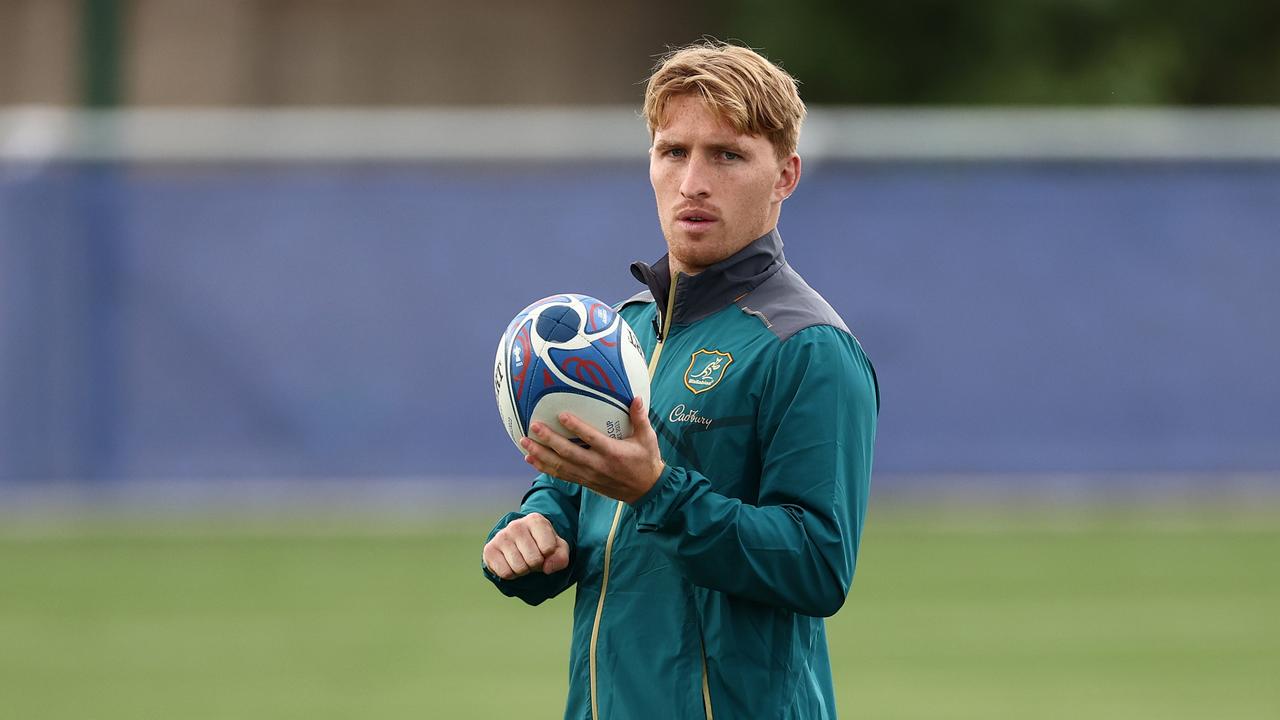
point(610, 349)
point(558, 324)
point(591, 367)
point(521, 363)
point(599, 315)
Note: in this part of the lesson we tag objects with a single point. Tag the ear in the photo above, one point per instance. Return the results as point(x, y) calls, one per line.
point(788, 178)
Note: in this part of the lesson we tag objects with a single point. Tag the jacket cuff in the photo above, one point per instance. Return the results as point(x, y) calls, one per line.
point(655, 507)
point(511, 517)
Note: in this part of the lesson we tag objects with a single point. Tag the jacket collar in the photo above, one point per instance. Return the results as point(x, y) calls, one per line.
point(698, 296)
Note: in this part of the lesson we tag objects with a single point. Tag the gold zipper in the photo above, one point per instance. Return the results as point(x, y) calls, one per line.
point(706, 689)
point(613, 529)
point(595, 629)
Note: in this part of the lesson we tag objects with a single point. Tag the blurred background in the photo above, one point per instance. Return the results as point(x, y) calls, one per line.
point(255, 257)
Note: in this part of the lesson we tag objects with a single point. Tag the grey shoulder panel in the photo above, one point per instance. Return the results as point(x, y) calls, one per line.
point(644, 296)
point(786, 305)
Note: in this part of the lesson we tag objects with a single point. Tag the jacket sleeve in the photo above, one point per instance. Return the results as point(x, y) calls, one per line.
point(557, 501)
point(797, 548)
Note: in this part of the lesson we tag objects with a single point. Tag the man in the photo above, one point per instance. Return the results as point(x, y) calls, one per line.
point(708, 546)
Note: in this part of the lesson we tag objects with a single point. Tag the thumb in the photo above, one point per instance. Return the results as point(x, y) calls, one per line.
point(558, 559)
point(639, 415)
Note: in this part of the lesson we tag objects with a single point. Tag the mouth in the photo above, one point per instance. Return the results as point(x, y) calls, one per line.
point(696, 219)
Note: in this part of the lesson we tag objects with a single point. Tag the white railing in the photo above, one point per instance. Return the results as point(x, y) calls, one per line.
point(38, 133)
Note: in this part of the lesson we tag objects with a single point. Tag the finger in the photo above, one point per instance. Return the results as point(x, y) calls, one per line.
point(496, 563)
point(564, 450)
point(543, 534)
point(585, 432)
point(515, 559)
point(639, 415)
point(544, 459)
point(528, 549)
point(535, 450)
point(558, 559)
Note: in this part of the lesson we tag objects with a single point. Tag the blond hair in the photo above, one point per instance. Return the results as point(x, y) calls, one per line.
point(751, 94)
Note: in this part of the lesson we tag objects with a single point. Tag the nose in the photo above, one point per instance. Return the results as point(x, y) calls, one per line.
point(696, 183)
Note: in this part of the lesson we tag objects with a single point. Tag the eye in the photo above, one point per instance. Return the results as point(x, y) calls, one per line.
point(729, 155)
point(675, 152)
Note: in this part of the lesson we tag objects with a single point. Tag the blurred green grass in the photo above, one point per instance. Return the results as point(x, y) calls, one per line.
point(1016, 613)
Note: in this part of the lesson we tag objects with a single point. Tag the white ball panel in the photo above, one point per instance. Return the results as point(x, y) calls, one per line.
point(609, 418)
point(634, 364)
point(502, 389)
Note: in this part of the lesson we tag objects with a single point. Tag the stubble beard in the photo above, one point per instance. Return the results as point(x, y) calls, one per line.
point(691, 256)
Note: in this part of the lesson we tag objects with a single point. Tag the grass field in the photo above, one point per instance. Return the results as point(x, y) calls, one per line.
point(1018, 614)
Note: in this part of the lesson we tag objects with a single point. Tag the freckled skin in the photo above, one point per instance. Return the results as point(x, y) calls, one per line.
point(699, 163)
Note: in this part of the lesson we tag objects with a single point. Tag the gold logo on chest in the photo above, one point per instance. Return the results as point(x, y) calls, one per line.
point(706, 370)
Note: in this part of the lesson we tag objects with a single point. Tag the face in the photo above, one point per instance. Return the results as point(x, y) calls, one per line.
point(717, 190)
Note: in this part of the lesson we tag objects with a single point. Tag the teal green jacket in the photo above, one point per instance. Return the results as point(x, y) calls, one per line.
point(705, 598)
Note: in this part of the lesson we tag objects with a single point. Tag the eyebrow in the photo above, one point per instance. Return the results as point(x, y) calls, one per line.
point(664, 145)
point(731, 147)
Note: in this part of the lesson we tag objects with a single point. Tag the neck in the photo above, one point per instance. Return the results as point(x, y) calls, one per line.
point(714, 286)
point(679, 267)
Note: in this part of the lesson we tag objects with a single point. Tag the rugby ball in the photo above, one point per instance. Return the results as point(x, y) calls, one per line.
point(569, 353)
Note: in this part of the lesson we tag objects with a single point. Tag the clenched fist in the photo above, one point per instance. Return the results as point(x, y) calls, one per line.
point(529, 544)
